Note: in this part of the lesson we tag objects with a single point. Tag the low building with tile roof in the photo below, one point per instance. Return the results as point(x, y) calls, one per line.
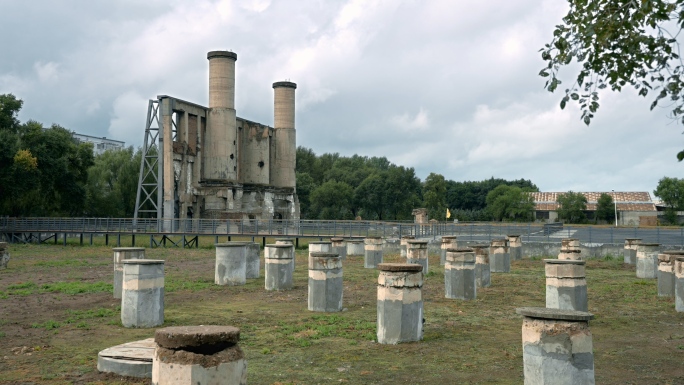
point(634, 208)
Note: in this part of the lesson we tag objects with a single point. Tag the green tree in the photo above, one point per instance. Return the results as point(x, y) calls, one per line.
point(305, 185)
point(434, 196)
point(571, 207)
point(403, 189)
point(9, 109)
point(510, 203)
point(619, 43)
point(671, 192)
point(112, 184)
point(472, 195)
point(605, 208)
point(372, 195)
point(332, 200)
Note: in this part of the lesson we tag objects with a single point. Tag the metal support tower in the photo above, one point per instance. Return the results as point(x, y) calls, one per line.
point(148, 201)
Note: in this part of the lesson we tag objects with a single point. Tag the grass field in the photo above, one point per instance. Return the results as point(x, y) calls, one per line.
point(57, 312)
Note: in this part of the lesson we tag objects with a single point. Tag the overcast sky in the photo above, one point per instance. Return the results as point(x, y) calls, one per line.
point(441, 86)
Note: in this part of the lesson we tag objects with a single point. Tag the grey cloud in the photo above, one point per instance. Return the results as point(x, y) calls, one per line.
point(441, 86)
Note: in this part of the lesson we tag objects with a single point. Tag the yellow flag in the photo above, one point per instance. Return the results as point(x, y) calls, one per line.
point(448, 215)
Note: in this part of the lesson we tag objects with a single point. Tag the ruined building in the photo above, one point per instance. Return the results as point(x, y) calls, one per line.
point(205, 162)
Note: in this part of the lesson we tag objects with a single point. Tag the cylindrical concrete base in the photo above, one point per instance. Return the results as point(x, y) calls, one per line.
point(278, 267)
point(566, 285)
point(557, 347)
point(630, 250)
point(372, 252)
point(459, 274)
point(515, 247)
point(288, 241)
point(355, 247)
point(570, 255)
point(666, 277)
point(679, 283)
point(448, 242)
point(647, 260)
point(482, 268)
point(325, 282)
point(319, 247)
point(339, 247)
point(400, 303)
point(207, 355)
point(253, 261)
point(231, 263)
point(570, 244)
point(417, 252)
point(121, 254)
point(499, 258)
point(403, 244)
point(142, 296)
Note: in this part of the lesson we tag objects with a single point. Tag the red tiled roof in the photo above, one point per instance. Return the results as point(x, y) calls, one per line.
point(626, 201)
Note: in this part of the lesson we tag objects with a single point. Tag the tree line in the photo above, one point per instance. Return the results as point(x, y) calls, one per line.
point(331, 186)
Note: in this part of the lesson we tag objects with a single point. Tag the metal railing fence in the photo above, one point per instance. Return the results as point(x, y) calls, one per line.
point(473, 231)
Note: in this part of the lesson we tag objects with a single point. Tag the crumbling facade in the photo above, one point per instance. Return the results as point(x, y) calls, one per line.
point(214, 164)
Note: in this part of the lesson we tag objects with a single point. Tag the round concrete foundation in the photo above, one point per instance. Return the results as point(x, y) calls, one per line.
point(198, 355)
point(400, 303)
point(459, 274)
point(325, 282)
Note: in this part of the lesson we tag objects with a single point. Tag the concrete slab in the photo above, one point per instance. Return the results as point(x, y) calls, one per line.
point(132, 359)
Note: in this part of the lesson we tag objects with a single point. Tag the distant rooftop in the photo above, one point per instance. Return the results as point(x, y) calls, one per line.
point(100, 144)
point(626, 201)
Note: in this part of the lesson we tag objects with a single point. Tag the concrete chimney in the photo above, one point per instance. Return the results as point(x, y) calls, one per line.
point(220, 141)
point(283, 169)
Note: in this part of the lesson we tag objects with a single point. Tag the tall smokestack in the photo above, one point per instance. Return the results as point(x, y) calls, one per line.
point(220, 141)
point(284, 130)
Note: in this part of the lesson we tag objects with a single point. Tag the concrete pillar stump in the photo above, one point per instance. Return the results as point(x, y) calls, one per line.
point(278, 267)
point(5, 256)
point(459, 274)
point(515, 247)
point(320, 247)
point(339, 247)
point(121, 254)
point(499, 258)
point(570, 255)
point(647, 260)
point(630, 250)
point(417, 252)
point(253, 260)
point(231, 263)
point(206, 355)
point(566, 285)
point(679, 283)
point(482, 269)
point(666, 277)
point(372, 252)
point(355, 247)
point(288, 241)
point(570, 244)
point(557, 347)
point(142, 295)
point(403, 244)
point(448, 242)
point(325, 282)
point(400, 303)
